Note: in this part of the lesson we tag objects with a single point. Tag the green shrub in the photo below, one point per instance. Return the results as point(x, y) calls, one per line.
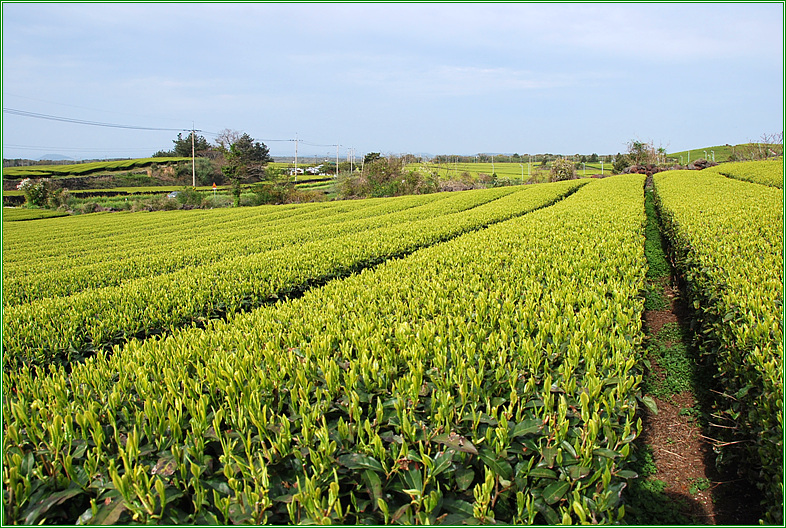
point(36, 191)
point(190, 197)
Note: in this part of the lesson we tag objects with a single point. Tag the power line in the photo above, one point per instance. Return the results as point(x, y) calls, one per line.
point(49, 117)
point(25, 113)
point(75, 149)
point(104, 111)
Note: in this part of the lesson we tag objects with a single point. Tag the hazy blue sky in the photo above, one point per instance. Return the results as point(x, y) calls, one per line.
point(438, 78)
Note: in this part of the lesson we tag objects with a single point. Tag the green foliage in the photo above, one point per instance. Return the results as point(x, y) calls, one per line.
point(58, 197)
point(273, 174)
point(247, 151)
point(386, 176)
point(727, 239)
point(491, 378)
point(271, 192)
point(190, 197)
point(246, 160)
point(183, 146)
point(621, 162)
point(699, 485)
point(371, 157)
point(207, 173)
point(36, 192)
point(235, 189)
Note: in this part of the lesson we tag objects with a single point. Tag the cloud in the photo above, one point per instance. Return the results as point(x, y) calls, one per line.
point(663, 32)
point(459, 81)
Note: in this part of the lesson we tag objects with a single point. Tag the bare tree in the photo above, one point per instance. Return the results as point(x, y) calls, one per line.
point(772, 144)
point(641, 153)
point(227, 137)
point(769, 145)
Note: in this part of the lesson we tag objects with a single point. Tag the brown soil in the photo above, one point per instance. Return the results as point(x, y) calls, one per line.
point(684, 455)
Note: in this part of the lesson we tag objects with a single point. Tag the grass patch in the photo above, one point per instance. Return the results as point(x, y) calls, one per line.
point(669, 349)
point(654, 244)
point(655, 298)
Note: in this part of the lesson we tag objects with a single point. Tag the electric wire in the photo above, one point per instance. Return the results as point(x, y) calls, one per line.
point(50, 117)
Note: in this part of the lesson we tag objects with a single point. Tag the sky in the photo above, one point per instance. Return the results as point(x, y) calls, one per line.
point(421, 78)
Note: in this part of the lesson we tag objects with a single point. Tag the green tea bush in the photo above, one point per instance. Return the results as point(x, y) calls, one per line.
point(489, 379)
point(727, 238)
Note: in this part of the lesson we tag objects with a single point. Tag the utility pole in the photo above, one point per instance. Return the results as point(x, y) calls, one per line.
point(193, 159)
point(296, 158)
point(337, 160)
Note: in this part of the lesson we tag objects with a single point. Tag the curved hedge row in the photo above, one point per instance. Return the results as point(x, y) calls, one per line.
point(95, 254)
point(727, 237)
point(765, 172)
point(61, 327)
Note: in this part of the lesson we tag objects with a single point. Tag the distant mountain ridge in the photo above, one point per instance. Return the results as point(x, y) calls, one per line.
point(54, 157)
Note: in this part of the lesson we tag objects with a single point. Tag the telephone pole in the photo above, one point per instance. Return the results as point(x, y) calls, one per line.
point(193, 159)
point(295, 158)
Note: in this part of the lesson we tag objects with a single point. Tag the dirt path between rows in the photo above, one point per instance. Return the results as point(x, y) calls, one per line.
point(682, 448)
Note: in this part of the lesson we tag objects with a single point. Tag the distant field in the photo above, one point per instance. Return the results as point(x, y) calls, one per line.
point(718, 153)
point(722, 153)
point(308, 183)
point(82, 169)
point(156, 189)
point(514, 171)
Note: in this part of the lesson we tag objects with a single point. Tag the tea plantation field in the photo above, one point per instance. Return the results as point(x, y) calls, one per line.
point(468, 357)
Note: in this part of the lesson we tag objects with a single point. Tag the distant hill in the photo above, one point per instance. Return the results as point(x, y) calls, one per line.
point(718, 153)
point(54, 157)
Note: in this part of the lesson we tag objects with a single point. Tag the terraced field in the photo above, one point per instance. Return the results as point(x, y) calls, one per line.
point(83, 169)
